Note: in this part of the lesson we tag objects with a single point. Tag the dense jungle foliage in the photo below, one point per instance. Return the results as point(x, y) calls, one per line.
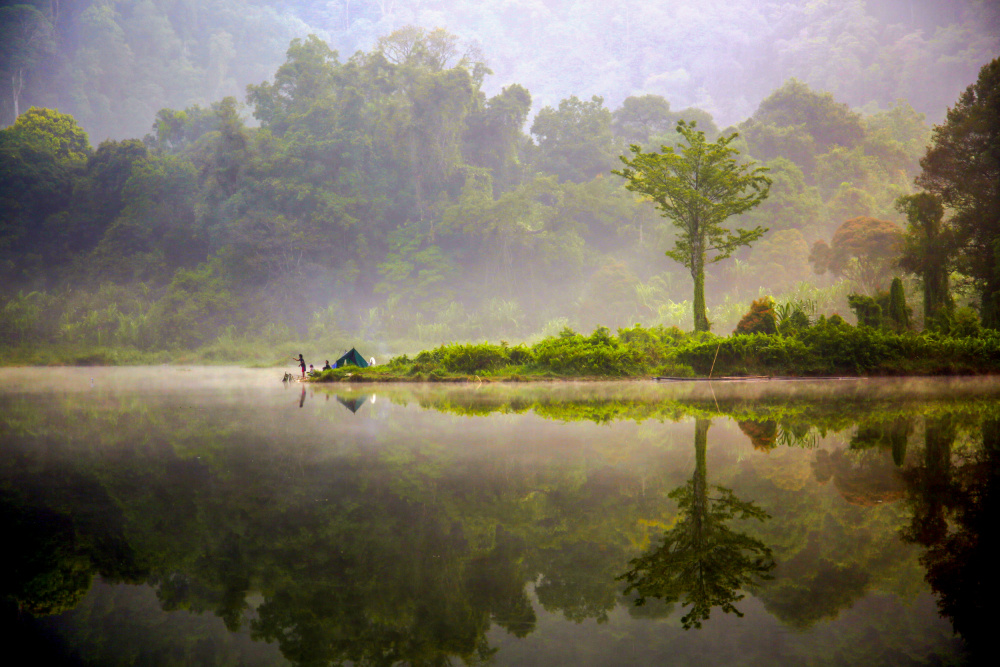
point(394, 196)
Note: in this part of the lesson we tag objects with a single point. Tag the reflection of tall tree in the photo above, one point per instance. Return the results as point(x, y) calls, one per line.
point(929, 483)
point(961, 558)
point(892, 434)
point(701, 561)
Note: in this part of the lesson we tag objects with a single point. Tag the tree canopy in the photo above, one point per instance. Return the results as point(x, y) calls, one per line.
point(962, 167)
point(698, 186)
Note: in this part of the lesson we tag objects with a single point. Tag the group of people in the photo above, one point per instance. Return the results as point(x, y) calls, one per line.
point(302, 365)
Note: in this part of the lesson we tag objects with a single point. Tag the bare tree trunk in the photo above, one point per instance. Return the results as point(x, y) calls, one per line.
point(17, 86)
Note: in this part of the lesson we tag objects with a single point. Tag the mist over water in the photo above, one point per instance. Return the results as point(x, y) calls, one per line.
point(317, 523)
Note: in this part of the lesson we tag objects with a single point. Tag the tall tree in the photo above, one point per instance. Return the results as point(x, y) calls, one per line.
point(493, 138)
point(40, 155)
point(698, 186)
point(26, 35)
point(864, 250)
point(926, 250)
point(962, 166)
point(575, 140)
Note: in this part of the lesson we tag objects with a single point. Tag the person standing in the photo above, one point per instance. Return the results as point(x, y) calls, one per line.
point(302, 363)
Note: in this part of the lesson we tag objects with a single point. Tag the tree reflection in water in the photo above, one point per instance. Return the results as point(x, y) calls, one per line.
point(417, 551)
point(702, 562)
point(956, 500)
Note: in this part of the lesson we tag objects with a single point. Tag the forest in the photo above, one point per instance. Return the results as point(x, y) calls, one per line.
point(390, 185)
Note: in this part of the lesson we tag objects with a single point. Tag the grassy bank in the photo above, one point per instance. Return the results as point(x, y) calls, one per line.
point(828, 347)
point(825, 348)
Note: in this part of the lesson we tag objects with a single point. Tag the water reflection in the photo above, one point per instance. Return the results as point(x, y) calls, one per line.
point(702, 562)
point(955, 501)
point(491, 525)
point(354, 402)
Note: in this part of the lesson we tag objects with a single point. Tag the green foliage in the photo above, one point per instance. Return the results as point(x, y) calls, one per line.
point(574, 140)
point(863, 250)
point(697, 187)
point(898, 312)
point(759, 319)
point(926, 251)
point(597, 354)
point(961, 167)
point(390, 188)
point(39, 157)
point(646, 119)
point(866, 309)
point(27, 36)
point(965, 323)
point(53, 132)
point(470, 359)
point(27, 317)
point(826, 121)
point(793, 316)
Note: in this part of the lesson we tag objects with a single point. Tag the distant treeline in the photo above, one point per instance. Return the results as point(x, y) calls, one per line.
point(387, 197)
point(113, 64)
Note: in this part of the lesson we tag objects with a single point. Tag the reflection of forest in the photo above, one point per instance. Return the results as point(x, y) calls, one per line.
point(954, 496)
point(413, 550)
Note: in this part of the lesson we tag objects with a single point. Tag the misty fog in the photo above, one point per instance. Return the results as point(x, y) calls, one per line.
point(246, 177)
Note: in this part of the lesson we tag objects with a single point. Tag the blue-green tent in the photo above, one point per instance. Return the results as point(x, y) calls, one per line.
point(354, 358)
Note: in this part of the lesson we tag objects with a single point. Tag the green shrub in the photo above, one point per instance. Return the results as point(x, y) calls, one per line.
point(597, 354)
point(759, 319)
point(965, 323)
point(471, 359)
point(866, 309)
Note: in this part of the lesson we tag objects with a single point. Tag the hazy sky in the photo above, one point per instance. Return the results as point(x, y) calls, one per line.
point(721, 55)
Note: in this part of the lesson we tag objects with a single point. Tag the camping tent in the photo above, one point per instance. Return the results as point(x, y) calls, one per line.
point(353, 357)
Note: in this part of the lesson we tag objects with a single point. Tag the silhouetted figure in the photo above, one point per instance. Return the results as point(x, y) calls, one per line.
point(302, 363)
point(327, 367)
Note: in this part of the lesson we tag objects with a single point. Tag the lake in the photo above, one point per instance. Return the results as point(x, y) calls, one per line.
point(176, 515)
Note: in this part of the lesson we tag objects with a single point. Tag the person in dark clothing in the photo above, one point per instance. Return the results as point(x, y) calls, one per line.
point(302, 363)
point(327, 367)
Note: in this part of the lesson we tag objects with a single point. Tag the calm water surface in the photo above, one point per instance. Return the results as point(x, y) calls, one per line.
point(204, 516)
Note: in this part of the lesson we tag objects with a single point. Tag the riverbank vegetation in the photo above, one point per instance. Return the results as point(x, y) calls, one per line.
point(828, 347)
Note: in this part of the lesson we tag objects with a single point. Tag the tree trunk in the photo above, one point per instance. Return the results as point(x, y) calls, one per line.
point(700, 315)
point(935, 294)
point(699, 491)
point(989, 306)
point(17, 85)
